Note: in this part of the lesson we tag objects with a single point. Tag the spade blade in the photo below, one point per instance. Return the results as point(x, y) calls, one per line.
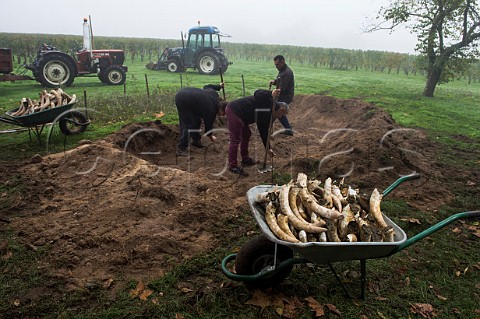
point(264, 168)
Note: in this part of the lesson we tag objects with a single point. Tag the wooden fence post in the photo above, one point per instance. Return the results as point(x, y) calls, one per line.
point(148, 90)
point(243, 85)
point(85, 102)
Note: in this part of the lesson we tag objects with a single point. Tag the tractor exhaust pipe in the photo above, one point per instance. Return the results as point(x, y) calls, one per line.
point(88, 36)
point(87, 43)
point(183, 47)
point(91, 34)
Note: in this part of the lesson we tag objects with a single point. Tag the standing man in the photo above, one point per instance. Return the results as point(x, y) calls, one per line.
point(193, 106)
point(242, 112)
point(287, 87)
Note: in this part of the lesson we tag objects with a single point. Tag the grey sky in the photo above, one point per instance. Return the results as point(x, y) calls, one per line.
point(317, 23)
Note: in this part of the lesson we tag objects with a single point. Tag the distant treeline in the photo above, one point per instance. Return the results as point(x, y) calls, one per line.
point(25, 46)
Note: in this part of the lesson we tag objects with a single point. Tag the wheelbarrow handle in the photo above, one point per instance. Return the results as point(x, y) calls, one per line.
point(436, 227)
point(9, 120)
point(402, 179)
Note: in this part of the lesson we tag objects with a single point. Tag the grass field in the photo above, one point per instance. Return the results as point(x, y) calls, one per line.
point(453, 111)
point(451, 114)
point(398, 93)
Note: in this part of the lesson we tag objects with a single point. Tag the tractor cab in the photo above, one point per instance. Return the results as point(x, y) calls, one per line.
point(200, 38)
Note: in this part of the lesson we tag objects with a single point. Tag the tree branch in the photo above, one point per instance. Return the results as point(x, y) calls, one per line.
point(465, 21)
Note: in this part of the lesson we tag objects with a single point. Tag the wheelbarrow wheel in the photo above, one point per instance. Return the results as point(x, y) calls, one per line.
point(73, 123)
point(257, 254)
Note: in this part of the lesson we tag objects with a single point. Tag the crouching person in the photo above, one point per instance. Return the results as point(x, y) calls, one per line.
point(193, 106)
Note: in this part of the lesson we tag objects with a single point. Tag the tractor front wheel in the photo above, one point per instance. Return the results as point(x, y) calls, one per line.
point(208, 63)
point(56, 70)
point(115, 75)
point(172, 66)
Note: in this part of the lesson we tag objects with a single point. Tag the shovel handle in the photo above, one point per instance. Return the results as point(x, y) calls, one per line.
point(221, 80)
point(267, 146)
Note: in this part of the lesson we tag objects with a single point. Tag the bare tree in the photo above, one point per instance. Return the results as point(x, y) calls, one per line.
point(447, 31)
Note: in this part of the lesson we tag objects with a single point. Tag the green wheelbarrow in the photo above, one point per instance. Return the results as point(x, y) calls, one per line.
point(265, 261)
point(70, 121)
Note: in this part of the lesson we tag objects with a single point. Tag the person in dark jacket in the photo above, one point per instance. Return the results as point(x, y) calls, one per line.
point(193, 106)
point(287, 87)
point(242, 112)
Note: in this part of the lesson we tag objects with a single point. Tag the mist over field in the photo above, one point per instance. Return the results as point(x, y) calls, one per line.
point(324, 23)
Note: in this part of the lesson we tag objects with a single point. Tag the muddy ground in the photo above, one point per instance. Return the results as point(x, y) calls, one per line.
point(126, 206)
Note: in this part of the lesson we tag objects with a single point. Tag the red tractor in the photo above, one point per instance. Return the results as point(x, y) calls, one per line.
point(54, 68)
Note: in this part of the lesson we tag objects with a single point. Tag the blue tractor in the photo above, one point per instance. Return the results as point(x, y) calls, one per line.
point(202, 51)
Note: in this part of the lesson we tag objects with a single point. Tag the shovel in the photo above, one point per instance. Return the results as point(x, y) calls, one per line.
point(223, 91)
point(221, 81)
point(264, 168)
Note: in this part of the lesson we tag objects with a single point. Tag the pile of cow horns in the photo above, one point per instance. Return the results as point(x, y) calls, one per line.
point(307, 211)
point(47, 100)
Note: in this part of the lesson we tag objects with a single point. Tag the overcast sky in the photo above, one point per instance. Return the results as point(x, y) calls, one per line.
point(316, 23)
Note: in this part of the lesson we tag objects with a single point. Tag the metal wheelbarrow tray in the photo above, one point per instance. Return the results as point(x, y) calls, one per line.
point(39, 118)
point(325, 252)
point(277, 267)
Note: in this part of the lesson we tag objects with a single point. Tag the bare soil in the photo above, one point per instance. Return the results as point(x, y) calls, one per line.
point(127, 207)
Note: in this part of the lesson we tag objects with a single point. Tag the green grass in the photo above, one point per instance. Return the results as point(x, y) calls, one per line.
point(451, 114)
point(454, 110)
point(445, 264)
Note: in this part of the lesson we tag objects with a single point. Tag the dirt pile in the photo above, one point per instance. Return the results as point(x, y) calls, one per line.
point(127, 205)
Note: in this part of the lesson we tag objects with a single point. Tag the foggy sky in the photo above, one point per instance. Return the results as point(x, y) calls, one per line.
point(315, 23)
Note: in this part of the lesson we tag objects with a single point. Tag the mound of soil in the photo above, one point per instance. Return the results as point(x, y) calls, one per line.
point(128, 205)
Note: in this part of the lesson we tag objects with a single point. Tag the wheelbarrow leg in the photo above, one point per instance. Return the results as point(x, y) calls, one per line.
point(37, 132)
point(363, 277)
point(339, 281)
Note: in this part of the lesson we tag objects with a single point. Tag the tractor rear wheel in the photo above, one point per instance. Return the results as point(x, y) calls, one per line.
point(115, 75)
point(208, 63)
point(56, 70)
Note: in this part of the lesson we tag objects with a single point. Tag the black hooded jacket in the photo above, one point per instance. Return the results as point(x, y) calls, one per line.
point(202, 103)
point(255, 109)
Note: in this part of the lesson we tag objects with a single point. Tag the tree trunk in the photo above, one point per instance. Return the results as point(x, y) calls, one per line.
point(432, 81)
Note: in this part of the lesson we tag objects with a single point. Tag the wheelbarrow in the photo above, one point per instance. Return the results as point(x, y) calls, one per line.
point(70, 122)
point(265, 261)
